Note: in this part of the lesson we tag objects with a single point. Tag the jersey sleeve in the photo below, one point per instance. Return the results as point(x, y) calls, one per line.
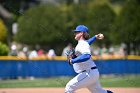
point(81, 58)
point(83, 52)
point(91, 40)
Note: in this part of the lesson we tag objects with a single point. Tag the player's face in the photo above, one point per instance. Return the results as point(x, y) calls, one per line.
point(78, 35)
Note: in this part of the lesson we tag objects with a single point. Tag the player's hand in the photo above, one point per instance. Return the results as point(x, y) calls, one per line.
point(69, 61)
point(100, 36)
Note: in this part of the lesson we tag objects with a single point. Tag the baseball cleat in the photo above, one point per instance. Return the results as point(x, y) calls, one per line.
point(108, 91)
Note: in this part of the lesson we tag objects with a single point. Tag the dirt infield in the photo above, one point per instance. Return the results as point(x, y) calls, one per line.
point(61, 90)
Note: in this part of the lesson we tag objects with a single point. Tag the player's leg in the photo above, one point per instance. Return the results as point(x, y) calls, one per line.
point(83, 79)
point(96, 88)
point(75, 83)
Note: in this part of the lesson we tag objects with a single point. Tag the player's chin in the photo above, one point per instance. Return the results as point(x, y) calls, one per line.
point(76, 38)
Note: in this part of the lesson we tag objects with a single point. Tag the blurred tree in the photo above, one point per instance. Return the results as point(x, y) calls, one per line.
point(4, 50)
point(96, 15)
point(17, 6)
point(126, 27)
point(43, 25)
point(100, 19)
point(10, 10)
point(3, 32)
point(76, 1)
point(77, 14)
point(118, 1)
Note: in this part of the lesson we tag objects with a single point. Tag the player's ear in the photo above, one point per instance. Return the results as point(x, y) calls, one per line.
point(82, 33)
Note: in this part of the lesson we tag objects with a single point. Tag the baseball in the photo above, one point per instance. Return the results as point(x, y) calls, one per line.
point(101, 36)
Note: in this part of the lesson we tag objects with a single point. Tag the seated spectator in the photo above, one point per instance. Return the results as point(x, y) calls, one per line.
point(111, 50)
point(67, 48)
point(96, 51)
point(40, 52)
point(51, 54)
point(25, 50)
point(104, 52)
point(13, 51)
point(21, 54)
point(122, 52)
point(33, 54)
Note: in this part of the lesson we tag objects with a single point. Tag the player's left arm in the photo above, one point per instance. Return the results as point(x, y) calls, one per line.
point(81, 58)
point(84, 54)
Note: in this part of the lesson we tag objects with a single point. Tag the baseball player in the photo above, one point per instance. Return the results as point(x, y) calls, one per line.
point(88, 74)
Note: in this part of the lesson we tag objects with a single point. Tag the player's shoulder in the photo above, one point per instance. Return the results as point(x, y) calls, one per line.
point(84, 43)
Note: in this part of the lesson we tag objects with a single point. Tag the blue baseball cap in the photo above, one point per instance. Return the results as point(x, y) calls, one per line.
point(81, 28)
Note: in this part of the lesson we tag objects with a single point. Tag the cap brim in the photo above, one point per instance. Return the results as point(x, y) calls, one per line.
point(75, 31)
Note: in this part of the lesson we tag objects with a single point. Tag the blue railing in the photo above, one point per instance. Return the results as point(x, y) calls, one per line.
point(53, 68)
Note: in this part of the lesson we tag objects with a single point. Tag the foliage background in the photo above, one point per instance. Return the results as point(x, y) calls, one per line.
point(50, 25)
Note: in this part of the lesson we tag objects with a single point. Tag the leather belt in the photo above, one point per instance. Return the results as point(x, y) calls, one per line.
point(90, 68)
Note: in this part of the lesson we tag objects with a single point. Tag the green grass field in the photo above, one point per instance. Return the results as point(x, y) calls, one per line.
point(125, 81)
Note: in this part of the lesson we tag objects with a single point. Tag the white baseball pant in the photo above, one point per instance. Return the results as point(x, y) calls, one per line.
point(88, 79)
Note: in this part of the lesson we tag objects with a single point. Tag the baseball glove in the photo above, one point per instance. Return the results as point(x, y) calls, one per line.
point(70, 55)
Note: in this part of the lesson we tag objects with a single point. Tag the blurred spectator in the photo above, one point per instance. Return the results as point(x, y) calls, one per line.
point(67, 48)
point(104, 50)
point(33, 54)
point(111, 50)
point(51, 54)
point(124, 48)
point(21, 54)
point(41, 54)
point(122, 52)
point(13, 51)
point(25, 50)
point(96, 51)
